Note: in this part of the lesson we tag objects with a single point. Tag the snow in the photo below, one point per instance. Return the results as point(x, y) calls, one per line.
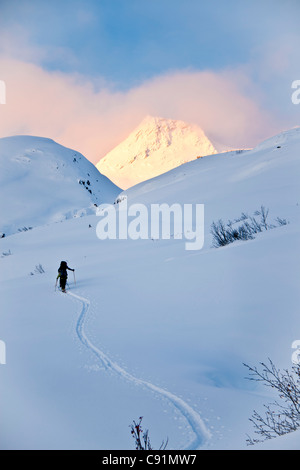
point(151, 329)
point(157, 145)
point(43, 182)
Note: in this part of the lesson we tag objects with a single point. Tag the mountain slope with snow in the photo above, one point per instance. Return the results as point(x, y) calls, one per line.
point(233, 182)
point(151, 329)
point(157, 145)
point(43, 182)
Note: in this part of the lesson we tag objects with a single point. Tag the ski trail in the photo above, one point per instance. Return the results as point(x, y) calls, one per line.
point(201, 432)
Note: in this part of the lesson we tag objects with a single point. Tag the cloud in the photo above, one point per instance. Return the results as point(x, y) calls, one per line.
point(225, 104)
point(92, 117)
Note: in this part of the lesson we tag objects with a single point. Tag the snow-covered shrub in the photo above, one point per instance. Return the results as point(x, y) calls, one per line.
point(223, 234)
point(6, 253)
point(141, 438)
point(285, 417)
point(38, 270)
point(24, 229)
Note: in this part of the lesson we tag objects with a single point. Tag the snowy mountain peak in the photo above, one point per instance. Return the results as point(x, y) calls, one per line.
point(156, 146)
point(163, 132)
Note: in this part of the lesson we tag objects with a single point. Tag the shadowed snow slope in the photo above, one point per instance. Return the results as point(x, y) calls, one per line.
point(43, 182)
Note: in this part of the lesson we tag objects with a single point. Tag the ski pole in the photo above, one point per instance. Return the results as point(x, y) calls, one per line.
point(74, 277)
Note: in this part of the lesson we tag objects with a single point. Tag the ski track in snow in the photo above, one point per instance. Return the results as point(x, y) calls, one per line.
point(201, 432)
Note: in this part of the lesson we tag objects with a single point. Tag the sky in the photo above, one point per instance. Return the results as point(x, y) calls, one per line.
point(85, 73)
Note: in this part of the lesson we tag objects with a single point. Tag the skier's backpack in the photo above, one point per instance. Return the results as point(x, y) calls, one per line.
point(63, 269)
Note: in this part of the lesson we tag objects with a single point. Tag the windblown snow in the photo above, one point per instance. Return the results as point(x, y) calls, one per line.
point(157, 145)
point(148, 329)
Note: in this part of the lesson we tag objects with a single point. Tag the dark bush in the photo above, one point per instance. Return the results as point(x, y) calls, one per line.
point(285, 417)
point(223, 234)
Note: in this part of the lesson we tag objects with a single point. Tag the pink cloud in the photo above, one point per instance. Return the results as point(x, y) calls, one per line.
point(93, 119)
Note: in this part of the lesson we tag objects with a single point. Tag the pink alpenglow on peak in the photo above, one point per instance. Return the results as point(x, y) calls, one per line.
point(156, 146)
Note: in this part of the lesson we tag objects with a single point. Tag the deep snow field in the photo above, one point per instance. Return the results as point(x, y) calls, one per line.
point(151, 329)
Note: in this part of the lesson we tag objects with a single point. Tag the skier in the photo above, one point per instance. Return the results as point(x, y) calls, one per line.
point(63, 275)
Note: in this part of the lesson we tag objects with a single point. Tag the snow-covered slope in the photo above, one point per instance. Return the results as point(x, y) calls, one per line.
point(154, 330)
point(157, 145)
point(43, 182)
point(233, 182)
